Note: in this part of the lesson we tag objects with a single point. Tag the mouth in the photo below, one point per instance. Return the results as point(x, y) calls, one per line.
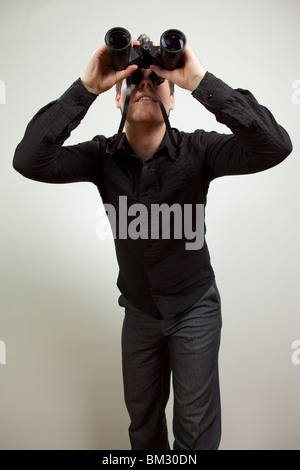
point(146, 98)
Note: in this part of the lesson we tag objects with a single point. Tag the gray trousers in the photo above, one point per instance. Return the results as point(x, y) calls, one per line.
point(187, 346)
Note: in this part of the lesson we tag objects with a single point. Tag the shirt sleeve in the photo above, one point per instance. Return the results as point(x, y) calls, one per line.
point(257, 141)
point(41, 155)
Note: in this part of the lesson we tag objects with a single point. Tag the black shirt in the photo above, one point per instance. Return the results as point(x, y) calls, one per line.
point(159, 276)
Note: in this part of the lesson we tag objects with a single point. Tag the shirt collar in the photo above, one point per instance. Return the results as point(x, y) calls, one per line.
point(165, 147)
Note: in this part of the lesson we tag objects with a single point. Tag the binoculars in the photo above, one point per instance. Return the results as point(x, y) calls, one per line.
point(167, 56)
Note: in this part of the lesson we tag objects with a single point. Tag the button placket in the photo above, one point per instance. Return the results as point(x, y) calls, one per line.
point(148, 180)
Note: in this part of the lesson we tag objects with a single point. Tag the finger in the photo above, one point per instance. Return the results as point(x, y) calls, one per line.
point(160, 72)
point(126, 73)
point(98, 52)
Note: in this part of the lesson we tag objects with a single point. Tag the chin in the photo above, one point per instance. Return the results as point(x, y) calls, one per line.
point(145, 118)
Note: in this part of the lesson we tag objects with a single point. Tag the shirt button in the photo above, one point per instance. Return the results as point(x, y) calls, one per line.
point(209, 96)
point(78, 101)
point(145, 193)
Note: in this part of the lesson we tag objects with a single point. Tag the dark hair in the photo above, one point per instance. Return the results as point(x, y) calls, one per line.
point(144, 39)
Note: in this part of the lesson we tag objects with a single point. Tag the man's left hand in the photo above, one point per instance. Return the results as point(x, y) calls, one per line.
point(188, 76)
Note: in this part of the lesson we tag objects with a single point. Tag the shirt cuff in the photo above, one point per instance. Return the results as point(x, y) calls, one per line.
point(77, 98)
point(212, 92)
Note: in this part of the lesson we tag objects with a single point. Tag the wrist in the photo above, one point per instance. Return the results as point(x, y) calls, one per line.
point(195, 82)
point(89, 87)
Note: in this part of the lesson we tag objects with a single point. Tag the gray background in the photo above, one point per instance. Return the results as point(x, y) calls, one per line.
point(61, 386)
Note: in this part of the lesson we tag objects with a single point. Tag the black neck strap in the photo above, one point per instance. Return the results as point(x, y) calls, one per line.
point(165, 116)
point(124, 115)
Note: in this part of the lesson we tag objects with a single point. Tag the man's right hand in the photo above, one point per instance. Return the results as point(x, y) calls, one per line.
point(100, 75)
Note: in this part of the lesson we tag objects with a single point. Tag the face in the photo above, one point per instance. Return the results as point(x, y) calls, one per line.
point(143, 106)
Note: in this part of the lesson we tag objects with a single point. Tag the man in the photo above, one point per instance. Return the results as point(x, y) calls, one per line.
point(172, 305)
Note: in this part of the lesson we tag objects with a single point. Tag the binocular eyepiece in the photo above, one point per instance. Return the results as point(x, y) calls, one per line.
point(167, 56)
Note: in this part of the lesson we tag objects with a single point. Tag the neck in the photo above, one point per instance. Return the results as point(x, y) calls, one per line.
point(144, 140)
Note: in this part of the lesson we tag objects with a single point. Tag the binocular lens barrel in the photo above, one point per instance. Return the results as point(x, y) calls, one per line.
point(118, 42)
point(172, 44)
point(118, 38)
point(173, 40)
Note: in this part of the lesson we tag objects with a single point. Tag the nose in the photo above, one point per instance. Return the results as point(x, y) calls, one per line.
point(145, 82)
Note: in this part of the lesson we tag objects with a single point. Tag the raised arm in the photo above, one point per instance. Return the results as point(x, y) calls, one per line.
point(258, 141)
point(41, 155)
